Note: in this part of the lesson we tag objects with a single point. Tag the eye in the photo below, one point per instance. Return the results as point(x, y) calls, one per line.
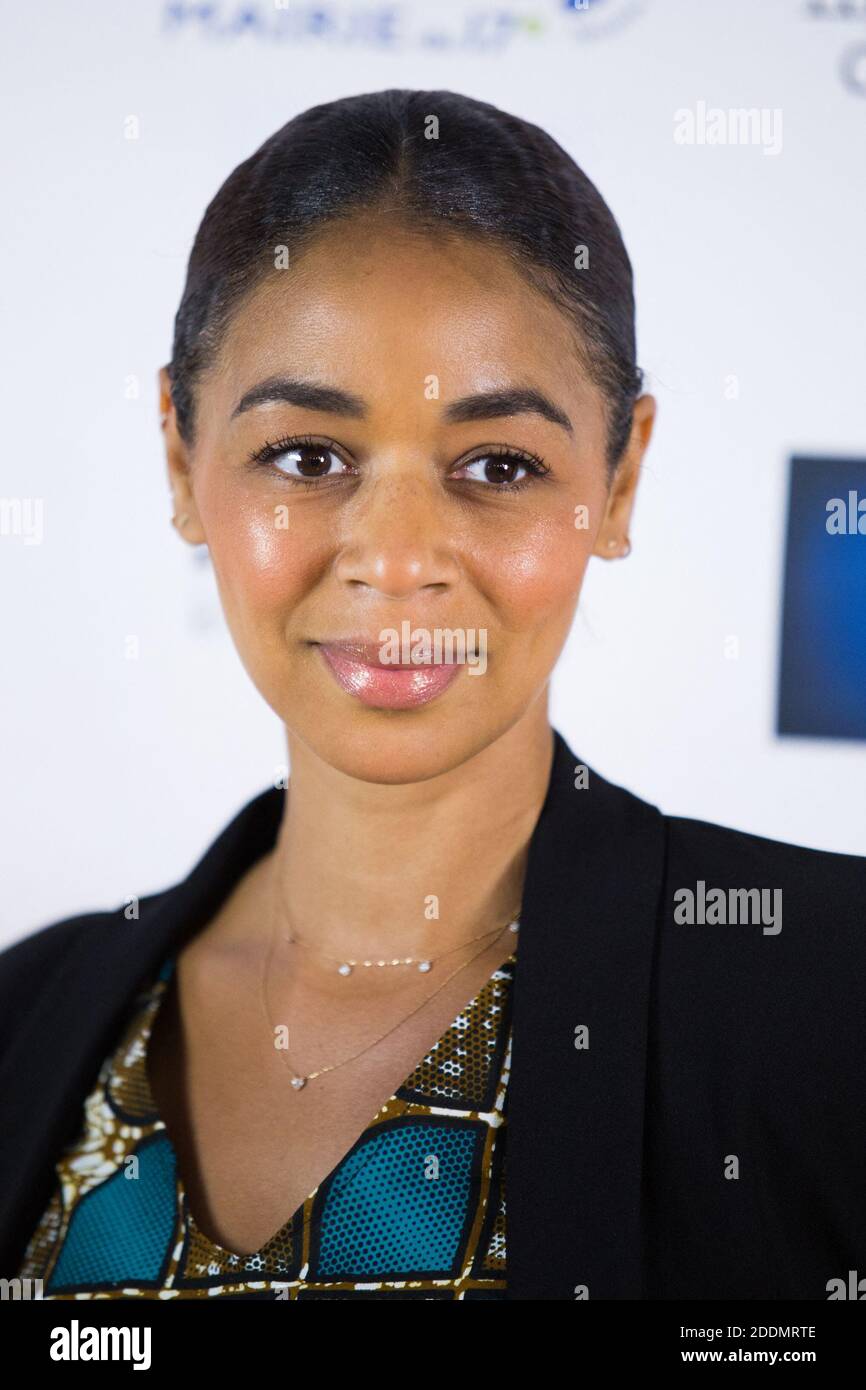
point(299, 458)
point(498, 469)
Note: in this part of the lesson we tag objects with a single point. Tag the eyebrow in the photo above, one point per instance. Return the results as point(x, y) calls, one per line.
point(482, 405)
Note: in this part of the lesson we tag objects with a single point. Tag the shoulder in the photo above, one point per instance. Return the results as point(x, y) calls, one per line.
point(690, 835)
point(37, 961)
point(117, 944)
point(696, 849)
point(814, 886)
point(248, 833)
point(762, 954)
point(734, 907)
point(626, 836)
point(29, 963)
point(50, 943)
point(46, 946)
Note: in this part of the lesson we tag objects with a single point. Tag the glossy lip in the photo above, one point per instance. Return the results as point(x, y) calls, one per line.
point(358, 669)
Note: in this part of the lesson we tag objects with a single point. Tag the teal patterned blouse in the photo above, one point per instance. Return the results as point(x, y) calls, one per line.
point(416, 1208)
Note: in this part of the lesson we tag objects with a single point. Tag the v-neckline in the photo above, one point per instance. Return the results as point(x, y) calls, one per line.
point(159, 988)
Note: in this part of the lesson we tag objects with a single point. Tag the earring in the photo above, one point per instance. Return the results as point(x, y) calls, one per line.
point(611, 545)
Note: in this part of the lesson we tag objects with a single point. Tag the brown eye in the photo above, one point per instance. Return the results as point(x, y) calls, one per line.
point(299, 459)
point(305, 460)
point(503, 470)
point(499, 470)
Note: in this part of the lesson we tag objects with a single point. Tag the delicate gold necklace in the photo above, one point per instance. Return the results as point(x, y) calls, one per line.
point(424, 963)
point(298, 1080)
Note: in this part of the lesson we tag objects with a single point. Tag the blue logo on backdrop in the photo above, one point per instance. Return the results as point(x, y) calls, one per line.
point(852, 61)
point(447, 25)
point(822, 674)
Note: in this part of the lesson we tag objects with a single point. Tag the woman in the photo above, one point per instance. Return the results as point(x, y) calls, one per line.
point(402, 412)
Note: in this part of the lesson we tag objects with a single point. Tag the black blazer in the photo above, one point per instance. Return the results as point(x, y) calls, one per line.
point(710, 1047)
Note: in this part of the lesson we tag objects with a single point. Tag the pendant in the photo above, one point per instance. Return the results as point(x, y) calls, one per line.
point(345, 969)
point(424, 966)
point(298, 1082)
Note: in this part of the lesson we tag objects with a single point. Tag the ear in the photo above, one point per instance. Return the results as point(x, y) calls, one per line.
point(612, 541)
point(186, 518)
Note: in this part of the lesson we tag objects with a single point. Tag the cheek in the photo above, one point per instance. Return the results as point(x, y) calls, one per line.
point(261, 563)
point(536, 578)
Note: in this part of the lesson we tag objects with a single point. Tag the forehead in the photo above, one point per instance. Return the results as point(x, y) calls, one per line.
point(373, 306)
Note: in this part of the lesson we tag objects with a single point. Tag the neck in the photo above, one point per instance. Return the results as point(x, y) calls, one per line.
point(365, 869)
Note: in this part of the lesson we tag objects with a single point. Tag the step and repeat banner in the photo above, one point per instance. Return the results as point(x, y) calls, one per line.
point(719, 671)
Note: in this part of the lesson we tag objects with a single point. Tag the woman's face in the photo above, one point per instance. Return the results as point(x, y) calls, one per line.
point(411, 507)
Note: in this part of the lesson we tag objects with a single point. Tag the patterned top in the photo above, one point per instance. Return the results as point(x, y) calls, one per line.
point(415, 1209)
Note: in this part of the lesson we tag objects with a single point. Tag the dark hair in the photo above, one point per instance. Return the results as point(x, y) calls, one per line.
point(484, 173)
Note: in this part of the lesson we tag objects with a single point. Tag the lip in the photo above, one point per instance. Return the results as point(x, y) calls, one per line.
point(358, 669)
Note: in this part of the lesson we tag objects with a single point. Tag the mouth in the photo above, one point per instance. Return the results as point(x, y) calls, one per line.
point(358, 669)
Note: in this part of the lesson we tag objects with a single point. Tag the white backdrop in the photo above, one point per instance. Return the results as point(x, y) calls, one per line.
point(749, 265)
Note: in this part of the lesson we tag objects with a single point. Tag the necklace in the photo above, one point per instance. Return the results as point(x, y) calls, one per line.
point(297, 1080)
point(424, 963)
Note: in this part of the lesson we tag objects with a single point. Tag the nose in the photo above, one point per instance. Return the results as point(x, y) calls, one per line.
point(397, 538)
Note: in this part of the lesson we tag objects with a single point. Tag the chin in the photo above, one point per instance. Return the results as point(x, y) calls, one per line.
point(396, 748)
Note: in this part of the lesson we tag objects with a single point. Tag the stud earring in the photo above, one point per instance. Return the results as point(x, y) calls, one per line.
point(612, 545)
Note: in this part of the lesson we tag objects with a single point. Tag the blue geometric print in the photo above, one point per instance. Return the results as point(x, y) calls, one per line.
point(399, 1204)
point(121, 1231)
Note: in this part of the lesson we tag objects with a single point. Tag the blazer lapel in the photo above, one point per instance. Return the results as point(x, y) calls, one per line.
point(576, 1114)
